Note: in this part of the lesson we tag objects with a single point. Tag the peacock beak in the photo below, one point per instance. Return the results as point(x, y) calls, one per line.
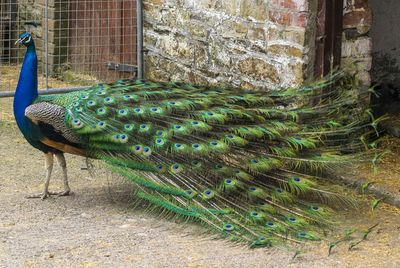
point(19, 41)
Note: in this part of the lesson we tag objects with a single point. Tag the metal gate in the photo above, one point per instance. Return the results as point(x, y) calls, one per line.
point(79, 42)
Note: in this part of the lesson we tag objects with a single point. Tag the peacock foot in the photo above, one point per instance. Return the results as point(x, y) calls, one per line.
point(42, 196)
point(61, 193)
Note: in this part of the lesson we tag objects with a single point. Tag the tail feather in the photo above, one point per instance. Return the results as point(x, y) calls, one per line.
point(243, 163)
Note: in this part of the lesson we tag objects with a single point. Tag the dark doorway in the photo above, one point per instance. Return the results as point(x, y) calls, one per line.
point(386, 55)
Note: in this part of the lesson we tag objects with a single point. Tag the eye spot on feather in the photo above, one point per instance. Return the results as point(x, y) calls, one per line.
point(270, 224)
point(315, 208)
point(176, 168)
point(161, 168)
point(123, 138)
point(91, 103)
point(79, 109)
point(137, 149)
point(228, 227)
point(229, 136)
point(128, 127)
point(196, 164)
point(302, 234)
point(196, 146)
point(191, 194)
point(214, 143)
point(147, 151)
point(292, 219)
point(138, 110)
point(254, 214)
point(298, 138)
point(253, 189)
point(178, 127)
point(178, 145)
point(279, 190)
point(195, 123)
point(116, 137)
point(77, 124)
point(228, 181)
point(208, 194)
point(254, 161)
point(122, 112)
point(297, 179)
point(172, 102)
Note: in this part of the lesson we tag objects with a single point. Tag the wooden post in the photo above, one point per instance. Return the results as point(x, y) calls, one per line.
point(329, 36)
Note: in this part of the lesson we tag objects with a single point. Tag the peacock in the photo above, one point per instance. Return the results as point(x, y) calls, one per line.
point(247, 165)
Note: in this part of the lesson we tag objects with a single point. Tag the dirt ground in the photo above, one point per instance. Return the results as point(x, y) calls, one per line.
point(98, 227)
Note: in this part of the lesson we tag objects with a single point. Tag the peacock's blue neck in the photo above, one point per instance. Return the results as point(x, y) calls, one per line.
point(26, 91)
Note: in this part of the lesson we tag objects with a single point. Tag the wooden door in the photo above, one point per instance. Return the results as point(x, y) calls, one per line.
point(102, 32)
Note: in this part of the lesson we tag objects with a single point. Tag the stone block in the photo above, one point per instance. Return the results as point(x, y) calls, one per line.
point(259, 70)
point(257, 9)
point(285, 50)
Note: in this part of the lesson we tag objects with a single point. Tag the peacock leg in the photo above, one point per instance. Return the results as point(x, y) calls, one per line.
point(49, 160)
point(63, 164)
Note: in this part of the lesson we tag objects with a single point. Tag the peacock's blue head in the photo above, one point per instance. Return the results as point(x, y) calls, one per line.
point(25, 38)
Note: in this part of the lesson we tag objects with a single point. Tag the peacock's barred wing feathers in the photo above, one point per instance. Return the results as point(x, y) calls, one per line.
point(241, 162)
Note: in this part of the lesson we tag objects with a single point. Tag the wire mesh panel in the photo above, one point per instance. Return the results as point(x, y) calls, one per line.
point(79, 42)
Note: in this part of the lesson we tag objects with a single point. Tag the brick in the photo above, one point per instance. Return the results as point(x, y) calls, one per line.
point(298, 5)
point(354, 18)
point(300, 20)
point(280, 17)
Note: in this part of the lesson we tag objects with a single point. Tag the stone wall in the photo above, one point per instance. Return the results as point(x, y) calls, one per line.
point(357, 44)
point(241, 43)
